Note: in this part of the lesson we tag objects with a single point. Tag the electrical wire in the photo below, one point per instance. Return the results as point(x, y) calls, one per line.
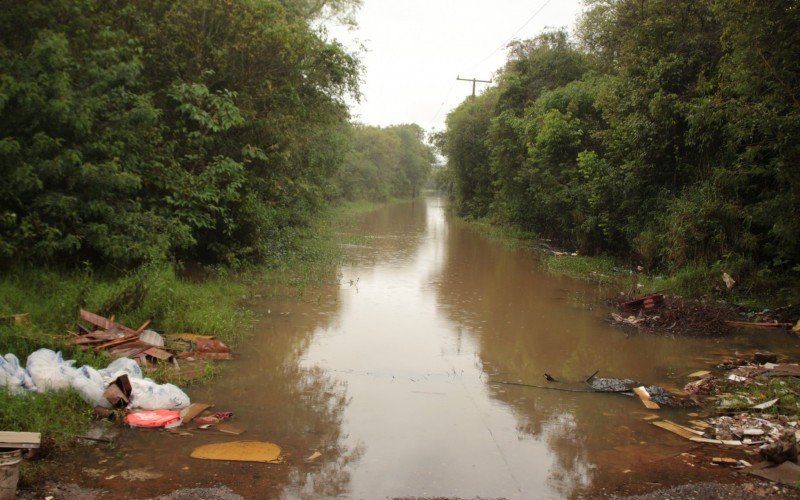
point(505, 44)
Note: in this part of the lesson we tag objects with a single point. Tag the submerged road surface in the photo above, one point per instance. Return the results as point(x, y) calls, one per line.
point(389, 374)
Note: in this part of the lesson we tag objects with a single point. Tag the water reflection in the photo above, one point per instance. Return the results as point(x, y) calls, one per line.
point(389, 375)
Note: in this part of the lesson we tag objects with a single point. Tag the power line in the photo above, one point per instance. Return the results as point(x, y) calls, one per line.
point(504, 44)
point(441, 106)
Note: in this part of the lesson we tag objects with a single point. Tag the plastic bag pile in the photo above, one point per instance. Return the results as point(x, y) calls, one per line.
point(46, 371)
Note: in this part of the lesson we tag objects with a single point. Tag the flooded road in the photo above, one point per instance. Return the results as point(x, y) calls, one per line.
point(390, 374)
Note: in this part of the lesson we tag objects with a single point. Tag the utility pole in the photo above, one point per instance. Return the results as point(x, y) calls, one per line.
point(474, 81)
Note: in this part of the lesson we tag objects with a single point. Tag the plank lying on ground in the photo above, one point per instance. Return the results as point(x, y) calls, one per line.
point(26, 440)
point(749, 324)
point(680, 430)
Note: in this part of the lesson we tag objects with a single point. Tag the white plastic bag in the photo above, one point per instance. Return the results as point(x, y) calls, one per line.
point(119, 366)
point(147, 395)
point(48, 371)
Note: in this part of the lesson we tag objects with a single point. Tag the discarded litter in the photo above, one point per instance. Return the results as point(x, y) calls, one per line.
point(240, 451)
point(193, 410)
point(313, 456)
point(764, 406)
point(154, 419)
point(645, 397)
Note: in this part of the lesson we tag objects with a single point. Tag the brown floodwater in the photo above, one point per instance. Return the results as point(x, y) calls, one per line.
point(390, 374)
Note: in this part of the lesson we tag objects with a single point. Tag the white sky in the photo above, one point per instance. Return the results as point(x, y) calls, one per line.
point(416, 48)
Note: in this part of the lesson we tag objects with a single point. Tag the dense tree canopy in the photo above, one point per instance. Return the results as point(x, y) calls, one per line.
point(200, 129)
point(385, 162)
point(667, 133)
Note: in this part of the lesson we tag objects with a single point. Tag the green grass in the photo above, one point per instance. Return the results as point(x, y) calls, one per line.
point(738, 397)
point(58, 415)
point(214, 305)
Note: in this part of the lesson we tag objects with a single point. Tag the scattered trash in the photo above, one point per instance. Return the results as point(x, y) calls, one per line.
point(152, 338)
point(214, 419)
point(787, 473)
point(313, 456)
point(154, 419)
point(193, 410)
point(724, 461)
point(699, 374)
point(662, 314)
point(240, 451)
point(47, 371)
point(9, 473)
point(684, 432)
point(647, 302)
point(229, 428)
point(600, 384)
point(645, 397)
point(729, 282)
point(764, 406)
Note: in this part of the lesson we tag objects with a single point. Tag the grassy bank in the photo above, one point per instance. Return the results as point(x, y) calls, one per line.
point(175, 298)
point(691, 281)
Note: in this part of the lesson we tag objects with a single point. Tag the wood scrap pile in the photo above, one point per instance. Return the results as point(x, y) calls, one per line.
point(147, 347)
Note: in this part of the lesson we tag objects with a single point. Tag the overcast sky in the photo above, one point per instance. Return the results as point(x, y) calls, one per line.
point(416, 48)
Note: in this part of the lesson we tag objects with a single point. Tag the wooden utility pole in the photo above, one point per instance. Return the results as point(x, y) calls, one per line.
point(474, 81)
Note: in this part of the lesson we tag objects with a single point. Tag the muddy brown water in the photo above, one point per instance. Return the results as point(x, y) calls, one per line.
point(389, 375)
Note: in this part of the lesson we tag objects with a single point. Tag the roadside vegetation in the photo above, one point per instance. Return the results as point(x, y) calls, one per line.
point(170, 160)
point(663, 135)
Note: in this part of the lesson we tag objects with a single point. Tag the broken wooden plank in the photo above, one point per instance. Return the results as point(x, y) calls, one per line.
point(205, 355)
point(646, 302)
point(159, 354)
point(698, 439)
point(123, 340)
point(144, 325)
point(189, 337)
point(102, 322)
point(20, 440)
point(644, 396)
point(787, 473)
point(753, 324)
point(675, 429)
point(193, 410)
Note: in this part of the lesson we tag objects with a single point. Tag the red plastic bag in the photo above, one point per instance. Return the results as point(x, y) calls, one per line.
point(154, 418)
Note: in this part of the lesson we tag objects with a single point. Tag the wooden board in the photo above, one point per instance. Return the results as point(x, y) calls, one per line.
point(675, 429)
point(17, 440)
point(645, 397)
point(193, 410)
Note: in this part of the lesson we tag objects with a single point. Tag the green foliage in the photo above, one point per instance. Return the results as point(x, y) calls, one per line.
point(59, 415)
point(385, 162)
point(191, 129)
point(153, 291)
point(668, 137)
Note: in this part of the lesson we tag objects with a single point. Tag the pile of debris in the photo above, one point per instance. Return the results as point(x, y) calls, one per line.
point(659, 313)
point(756, 406)
point(147, 347)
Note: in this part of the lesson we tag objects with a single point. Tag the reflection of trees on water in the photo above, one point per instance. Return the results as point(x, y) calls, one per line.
point(499, 298)
point(382, 232)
